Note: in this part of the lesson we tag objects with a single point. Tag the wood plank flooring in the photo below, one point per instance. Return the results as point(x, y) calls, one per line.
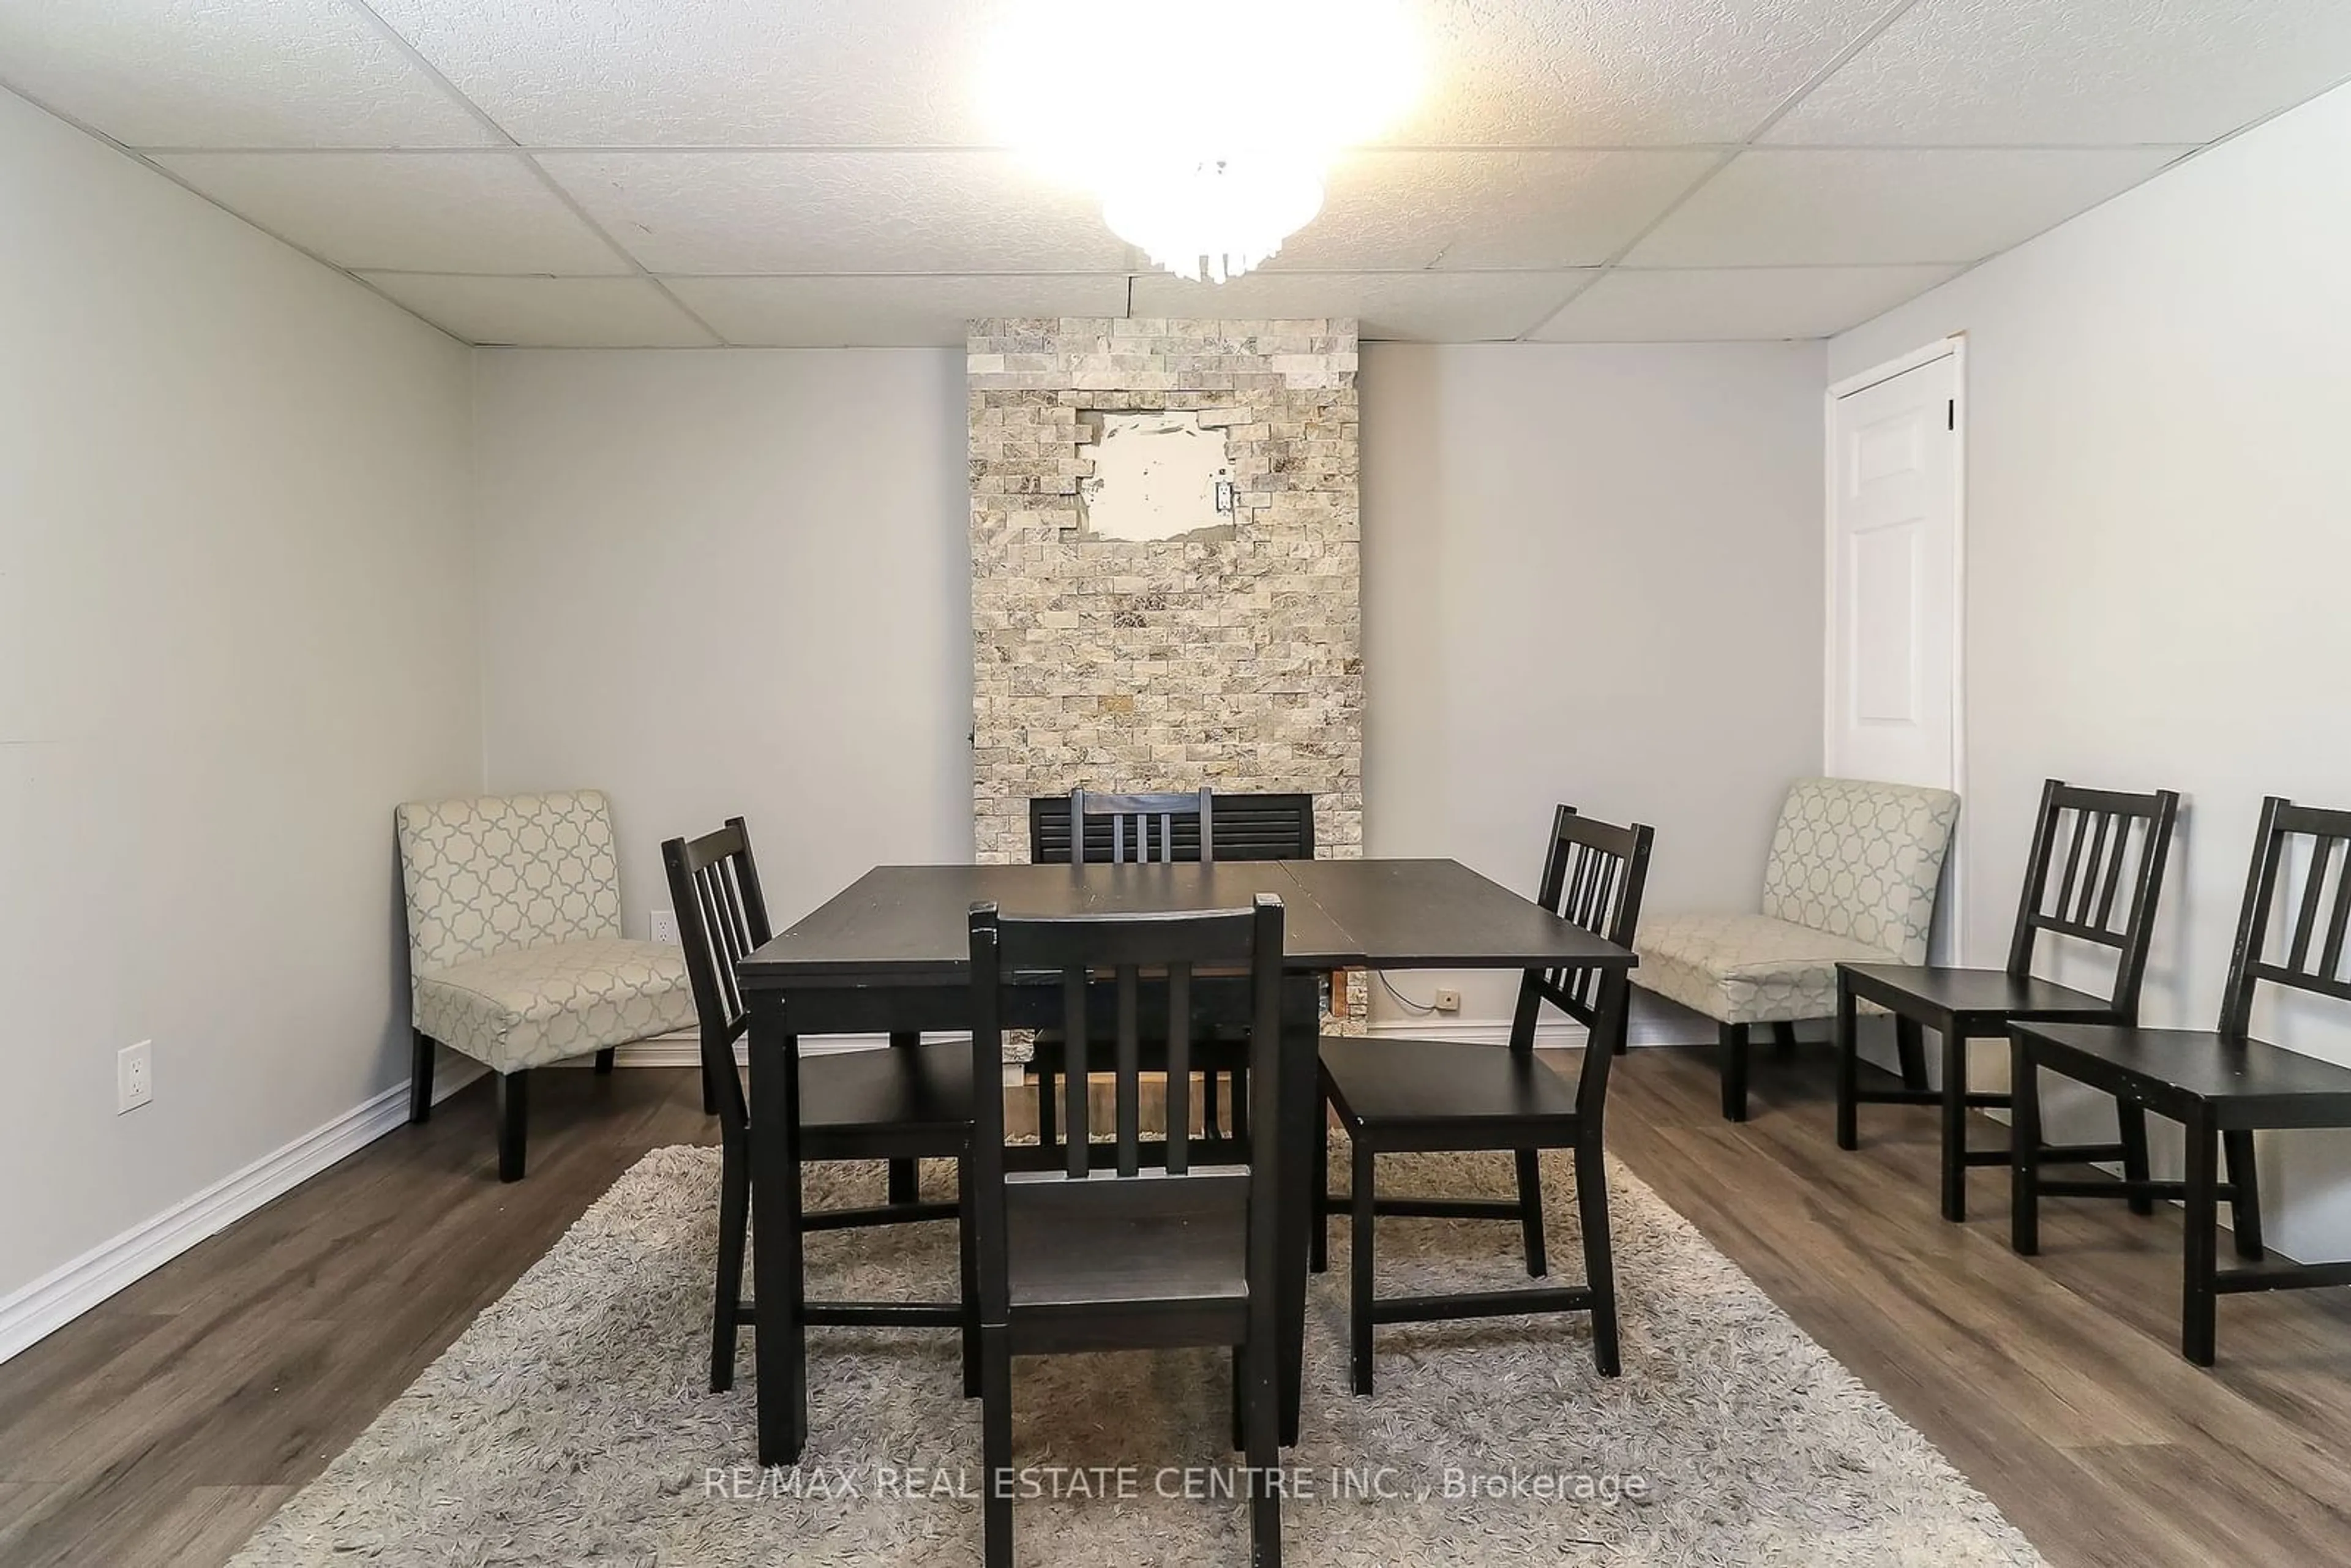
point(164, 1426)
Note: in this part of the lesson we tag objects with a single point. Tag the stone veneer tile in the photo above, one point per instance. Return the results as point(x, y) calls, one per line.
point(1168, 665)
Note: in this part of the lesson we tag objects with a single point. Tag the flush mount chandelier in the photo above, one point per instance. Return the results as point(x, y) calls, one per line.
point(1203, 127)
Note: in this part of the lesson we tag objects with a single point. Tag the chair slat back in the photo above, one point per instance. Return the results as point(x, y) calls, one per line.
point(1143, 827)
point(722, 919)
point(2317, 912)
point(1177, 957)
point(1247, 826)
point(1593, 875)
point(2110, 841)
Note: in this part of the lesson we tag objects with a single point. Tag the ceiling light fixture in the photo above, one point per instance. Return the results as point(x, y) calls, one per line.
point(1203, 127)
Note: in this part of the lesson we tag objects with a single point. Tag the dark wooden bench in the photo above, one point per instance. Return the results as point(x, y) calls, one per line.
point(2221, 1085)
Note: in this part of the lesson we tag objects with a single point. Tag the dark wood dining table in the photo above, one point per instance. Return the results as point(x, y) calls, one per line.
point(890, 955)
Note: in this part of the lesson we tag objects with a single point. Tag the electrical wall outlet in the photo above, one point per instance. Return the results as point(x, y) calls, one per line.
point(1449, 1001)
point(664, 926)
point(134, 1076)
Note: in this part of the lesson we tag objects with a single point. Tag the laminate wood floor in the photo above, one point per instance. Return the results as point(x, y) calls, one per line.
point(162, 1428)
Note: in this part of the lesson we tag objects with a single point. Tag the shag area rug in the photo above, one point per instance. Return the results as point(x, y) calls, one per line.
point(571, 1422)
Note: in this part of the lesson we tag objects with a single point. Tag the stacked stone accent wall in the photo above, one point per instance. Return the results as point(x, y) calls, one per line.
point(1166, 664)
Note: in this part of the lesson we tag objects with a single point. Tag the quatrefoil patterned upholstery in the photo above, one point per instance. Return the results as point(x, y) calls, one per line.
point(515, 951)
point(1851, 879)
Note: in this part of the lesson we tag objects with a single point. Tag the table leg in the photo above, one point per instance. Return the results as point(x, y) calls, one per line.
point(780, 1337)
point(1294, 1143)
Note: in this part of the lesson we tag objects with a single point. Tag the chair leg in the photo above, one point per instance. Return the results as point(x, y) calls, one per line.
point(420, 1078)
point(1263, 1454)
point(996, 1446)
point(1848, 1068)
point(733, 1230)
point(1048, 1129)
point(2245, 1207)
point(2130, 1122)
point(1211, 1123)
point(1599, 1253)
point(1955, 1127)
point(1732, 1038)
point(709, 1090)
point(1531, 1214)
point(2198, 1298)
point(1239, 1359)
point(1910, 1043)
point(905, 1175)
point(967, 1244)
point(2024, 1150)
point(514, 1118)
point(1783, 1038)
point(1317, 1238)
point(1240, 1105)
point(1359, 1299)
point(604, 1060)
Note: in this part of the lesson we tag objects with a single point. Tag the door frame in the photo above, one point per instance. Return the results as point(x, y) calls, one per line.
point(1953, 347)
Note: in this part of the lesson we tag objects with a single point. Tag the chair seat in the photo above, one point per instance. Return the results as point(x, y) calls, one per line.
point(2247, 1083)
point(1082, 1255)
point(523, 1009)
point(1376, 1080)
point(1746, 968)
point(916, 1091)
point(1989, 997)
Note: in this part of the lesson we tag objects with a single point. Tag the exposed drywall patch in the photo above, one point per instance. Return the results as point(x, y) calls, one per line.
point(1157, 476)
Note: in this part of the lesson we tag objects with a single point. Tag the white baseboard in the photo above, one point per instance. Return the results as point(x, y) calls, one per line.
point(65, 1292)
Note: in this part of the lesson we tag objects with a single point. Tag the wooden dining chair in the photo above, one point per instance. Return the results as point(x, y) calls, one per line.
point(2221, 1085)
point(1132, 1256)
point(1424, 1096)
point(907, 1103)
point(1247, 825)
point(2117, 841)
point(1161, 828)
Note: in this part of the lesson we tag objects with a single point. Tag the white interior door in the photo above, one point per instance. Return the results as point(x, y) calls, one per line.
point(1895, 553)
point(1894, 550)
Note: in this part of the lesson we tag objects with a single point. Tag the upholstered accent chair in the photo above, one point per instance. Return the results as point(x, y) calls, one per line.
point(514, 952)
point(1850, 878)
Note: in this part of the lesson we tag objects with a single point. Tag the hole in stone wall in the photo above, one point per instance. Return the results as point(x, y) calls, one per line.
point(1158, 474)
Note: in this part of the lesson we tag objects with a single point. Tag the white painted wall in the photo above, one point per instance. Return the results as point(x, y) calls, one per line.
point(733, 583)
point(2159, 537)
point(237, 626)
point(1591, 574)
point(738, 582)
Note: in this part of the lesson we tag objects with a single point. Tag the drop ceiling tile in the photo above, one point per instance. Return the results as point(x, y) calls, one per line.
point(1541, 73)
point(548, 312)
point(409, 212)
point(887, 311)
point(1406, 210)
point(1718, 304)
point(1787, 208)
point(1410, 306)
point(742, 211)
point(227, 73)
point(2086, 71)
point(712, 73)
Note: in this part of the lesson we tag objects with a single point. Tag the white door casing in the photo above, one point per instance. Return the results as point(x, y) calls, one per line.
point(1895, 552)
